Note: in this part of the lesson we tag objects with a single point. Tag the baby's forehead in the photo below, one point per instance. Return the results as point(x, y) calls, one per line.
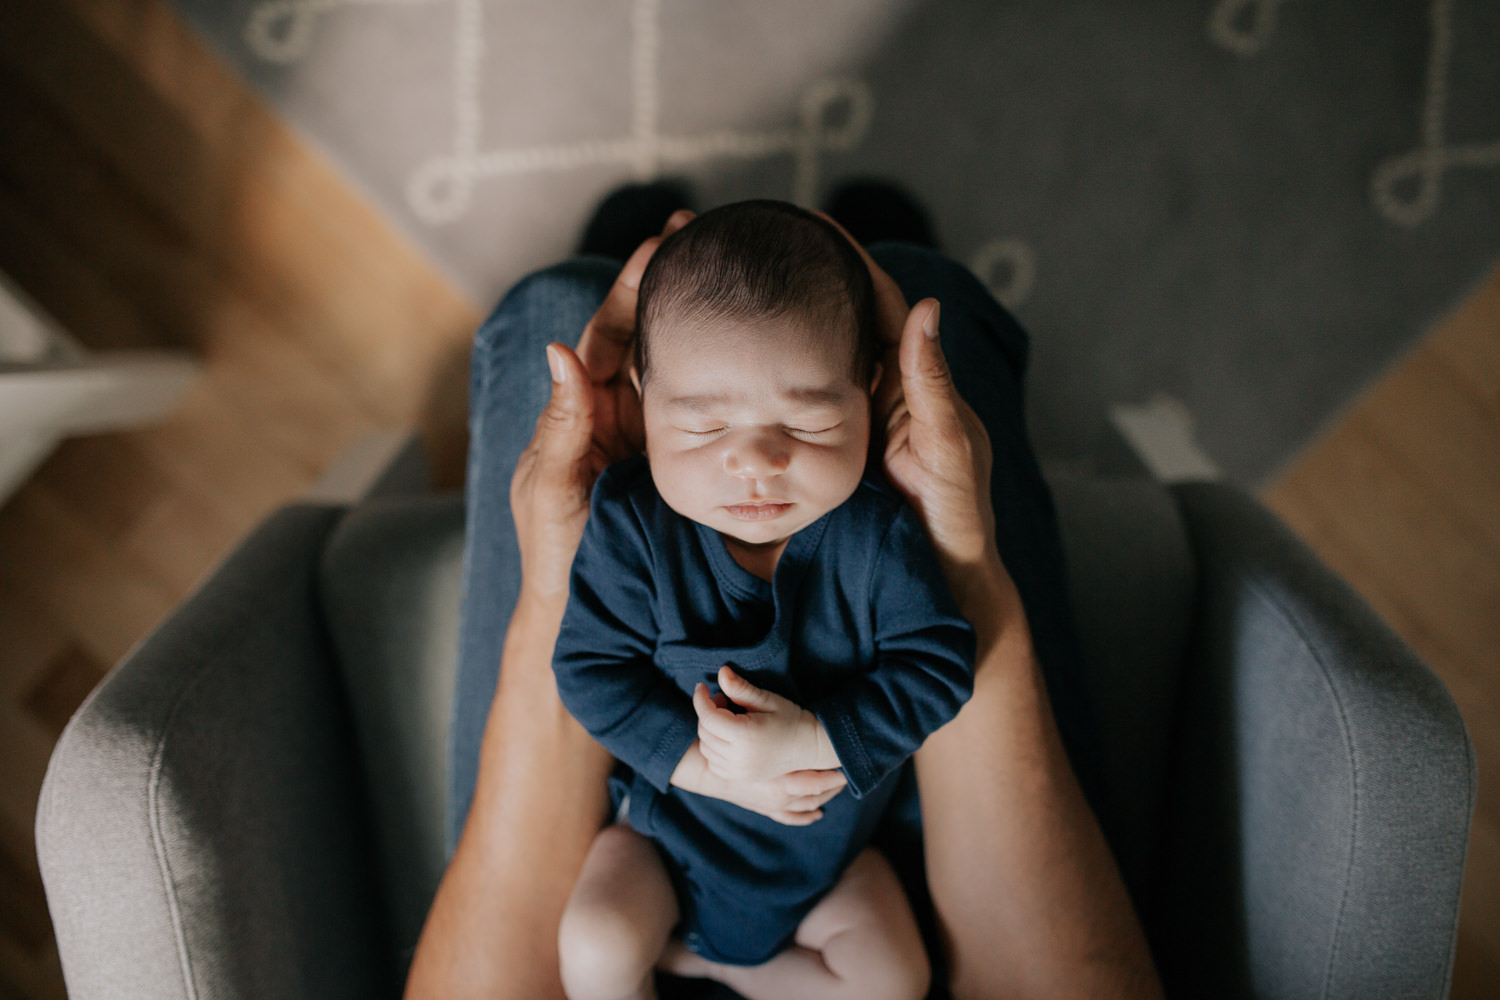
point(790, 340)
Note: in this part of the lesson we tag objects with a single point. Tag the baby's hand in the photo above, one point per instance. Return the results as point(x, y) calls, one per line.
point(773, 737)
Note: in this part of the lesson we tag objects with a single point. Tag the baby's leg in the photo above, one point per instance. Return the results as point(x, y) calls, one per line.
point(861, 941)
point(617, 920)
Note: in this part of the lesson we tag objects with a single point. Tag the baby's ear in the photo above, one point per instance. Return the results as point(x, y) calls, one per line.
point(635, 377)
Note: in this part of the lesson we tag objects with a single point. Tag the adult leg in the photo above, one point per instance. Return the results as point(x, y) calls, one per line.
point(988, 351)
point(859, 943)
point(509, 386)
point(617, 921)
point(1025, 889)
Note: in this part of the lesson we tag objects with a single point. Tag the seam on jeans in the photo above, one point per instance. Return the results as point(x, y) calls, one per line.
point(1291, 619)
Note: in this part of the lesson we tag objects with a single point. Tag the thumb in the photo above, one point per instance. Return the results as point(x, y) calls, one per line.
point(566, 427)
point(743, 693)
point(926, 381)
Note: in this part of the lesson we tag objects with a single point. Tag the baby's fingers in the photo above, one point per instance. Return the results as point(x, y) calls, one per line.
point(813, 782)
point(715, 721)
point(712, 743)
point(709, 706)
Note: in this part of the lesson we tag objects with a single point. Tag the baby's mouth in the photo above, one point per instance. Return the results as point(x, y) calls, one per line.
point(758, 510)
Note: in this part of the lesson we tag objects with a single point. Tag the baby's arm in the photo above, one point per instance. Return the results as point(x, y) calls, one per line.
point(923, 674)
point(924, 665)
point(603, 657)
point(773, 737)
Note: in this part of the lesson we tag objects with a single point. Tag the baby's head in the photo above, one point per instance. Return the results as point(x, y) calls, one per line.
point(756, 359)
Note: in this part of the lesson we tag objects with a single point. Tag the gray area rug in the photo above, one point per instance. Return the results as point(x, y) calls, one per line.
point(1225, 216)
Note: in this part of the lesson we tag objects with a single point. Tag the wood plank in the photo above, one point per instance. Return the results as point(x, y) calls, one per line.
point(1358, 491)
point(148, 198)
point(69, 566)
point(211, 448)
point(78, 297)
point(298, 232)
point(1479, 913)
point(1462, 463)
point(1469, 341)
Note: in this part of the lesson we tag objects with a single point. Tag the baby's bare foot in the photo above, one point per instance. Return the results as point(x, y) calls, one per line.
point(679, 961)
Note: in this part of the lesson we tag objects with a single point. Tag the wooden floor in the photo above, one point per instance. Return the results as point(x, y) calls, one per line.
point(147, 199)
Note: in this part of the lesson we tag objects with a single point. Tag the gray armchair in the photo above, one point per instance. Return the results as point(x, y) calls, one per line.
point(250, 804)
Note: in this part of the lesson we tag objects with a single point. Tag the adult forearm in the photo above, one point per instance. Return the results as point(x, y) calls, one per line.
point(539, 801)
point(1027, 893)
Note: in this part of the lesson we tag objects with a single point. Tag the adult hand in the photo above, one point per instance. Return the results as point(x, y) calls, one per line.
point(937, 453)
point(592, 419)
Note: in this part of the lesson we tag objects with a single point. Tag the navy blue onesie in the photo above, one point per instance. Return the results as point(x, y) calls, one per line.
point(858, 627)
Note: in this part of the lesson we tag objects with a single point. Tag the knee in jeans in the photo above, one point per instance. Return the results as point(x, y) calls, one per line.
point(602, 953)
point(575, 279)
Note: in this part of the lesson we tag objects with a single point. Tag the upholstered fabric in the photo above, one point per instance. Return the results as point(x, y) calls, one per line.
point(250, 804)
point(390, 585)
point(202, 830)
point(1131, 573)
point(1323, 783)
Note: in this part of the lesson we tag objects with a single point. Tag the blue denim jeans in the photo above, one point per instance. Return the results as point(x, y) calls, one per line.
point(987, 351)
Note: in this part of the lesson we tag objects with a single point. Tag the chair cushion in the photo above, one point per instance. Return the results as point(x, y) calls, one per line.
point(390, 592)
point(1131, 574)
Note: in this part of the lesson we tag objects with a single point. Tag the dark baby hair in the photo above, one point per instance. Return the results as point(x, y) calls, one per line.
point(760, 259)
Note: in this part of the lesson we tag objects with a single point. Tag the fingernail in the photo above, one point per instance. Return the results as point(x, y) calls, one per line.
point(555, 362)
point(930, 324)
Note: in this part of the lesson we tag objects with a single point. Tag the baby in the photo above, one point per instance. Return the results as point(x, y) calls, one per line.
point(755, 549)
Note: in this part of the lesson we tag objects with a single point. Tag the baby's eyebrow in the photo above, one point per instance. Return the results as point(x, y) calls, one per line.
point(805, 395)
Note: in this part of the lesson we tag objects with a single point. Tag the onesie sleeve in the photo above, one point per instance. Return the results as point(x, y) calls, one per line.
point(924, 663)
point(603, 657)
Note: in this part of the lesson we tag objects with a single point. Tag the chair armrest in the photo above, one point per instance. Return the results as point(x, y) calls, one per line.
point(390, 583)
point(202, 827)
point(1324, 786)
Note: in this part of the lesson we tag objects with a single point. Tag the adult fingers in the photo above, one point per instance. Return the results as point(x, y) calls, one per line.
point(677, 220)
point(564, 432)
point(926, 382)
point(607, 339)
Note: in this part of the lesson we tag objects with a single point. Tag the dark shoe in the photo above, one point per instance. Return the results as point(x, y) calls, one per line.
point(875, 211)
point(632, 214)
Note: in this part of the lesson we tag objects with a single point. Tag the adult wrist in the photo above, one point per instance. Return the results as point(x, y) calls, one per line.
point(980, 584)
point(539, 608)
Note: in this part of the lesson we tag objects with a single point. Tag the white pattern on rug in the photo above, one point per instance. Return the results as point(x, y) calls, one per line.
point(1428, 162)
point(441, 188)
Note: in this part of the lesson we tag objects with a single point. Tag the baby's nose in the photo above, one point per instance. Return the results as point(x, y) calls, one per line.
point(756, 455)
